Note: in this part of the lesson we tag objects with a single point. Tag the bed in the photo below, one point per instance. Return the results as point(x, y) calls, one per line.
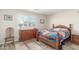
point(56, 36)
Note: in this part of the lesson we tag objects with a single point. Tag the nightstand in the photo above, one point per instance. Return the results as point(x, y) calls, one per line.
point(75, 39)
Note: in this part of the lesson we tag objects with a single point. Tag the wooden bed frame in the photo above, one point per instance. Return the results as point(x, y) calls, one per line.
point(57, 43)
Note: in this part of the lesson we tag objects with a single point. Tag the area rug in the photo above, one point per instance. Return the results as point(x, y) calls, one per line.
point(36, 45)
point(32, 45)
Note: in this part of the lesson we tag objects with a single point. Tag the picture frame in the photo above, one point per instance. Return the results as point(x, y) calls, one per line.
point(8, 17)
point(42, 21)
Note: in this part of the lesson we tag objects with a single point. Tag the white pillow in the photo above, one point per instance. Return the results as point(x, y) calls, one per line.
point(45, 32)
point(56, 29)
point(63, 29)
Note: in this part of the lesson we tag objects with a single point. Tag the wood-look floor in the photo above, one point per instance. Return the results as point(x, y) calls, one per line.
point(36, 45)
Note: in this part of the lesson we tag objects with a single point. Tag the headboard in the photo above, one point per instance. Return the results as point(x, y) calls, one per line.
point(62, 26)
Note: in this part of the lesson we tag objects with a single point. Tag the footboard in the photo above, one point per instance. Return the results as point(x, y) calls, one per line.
point(53, 44)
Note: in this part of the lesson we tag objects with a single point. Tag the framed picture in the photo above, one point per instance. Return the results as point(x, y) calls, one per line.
point(8, 17)
point(42, 21)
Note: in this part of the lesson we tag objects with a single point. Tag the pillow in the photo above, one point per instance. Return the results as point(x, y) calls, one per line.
point(63, 29)
point(42, 31)
point(62, 33)
point(51, 30)
point(45, 32)
point(56, 29)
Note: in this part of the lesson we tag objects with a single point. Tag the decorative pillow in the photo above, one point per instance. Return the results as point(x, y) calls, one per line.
point(62, 33)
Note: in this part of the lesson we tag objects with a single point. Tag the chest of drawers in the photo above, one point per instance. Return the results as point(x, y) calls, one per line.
point(27, 34)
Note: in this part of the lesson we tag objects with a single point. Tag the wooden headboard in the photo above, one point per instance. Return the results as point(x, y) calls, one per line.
point(62, 26)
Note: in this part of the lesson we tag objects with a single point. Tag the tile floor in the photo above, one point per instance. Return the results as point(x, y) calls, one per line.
point(36, 45)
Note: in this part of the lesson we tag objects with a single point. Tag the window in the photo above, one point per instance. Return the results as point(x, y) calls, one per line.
point(27, 21)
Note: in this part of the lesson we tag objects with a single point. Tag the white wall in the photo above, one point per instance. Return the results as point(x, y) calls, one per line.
point(66, 18)
point(14, 23)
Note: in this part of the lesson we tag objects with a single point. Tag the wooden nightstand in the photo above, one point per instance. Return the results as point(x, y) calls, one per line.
point(75, 39)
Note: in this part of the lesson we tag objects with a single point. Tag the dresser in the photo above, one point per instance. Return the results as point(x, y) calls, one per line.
point(27, 34)
point(75, 39)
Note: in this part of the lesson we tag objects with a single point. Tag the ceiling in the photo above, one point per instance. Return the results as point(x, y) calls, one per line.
point(45, 11)
point(48, 11)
